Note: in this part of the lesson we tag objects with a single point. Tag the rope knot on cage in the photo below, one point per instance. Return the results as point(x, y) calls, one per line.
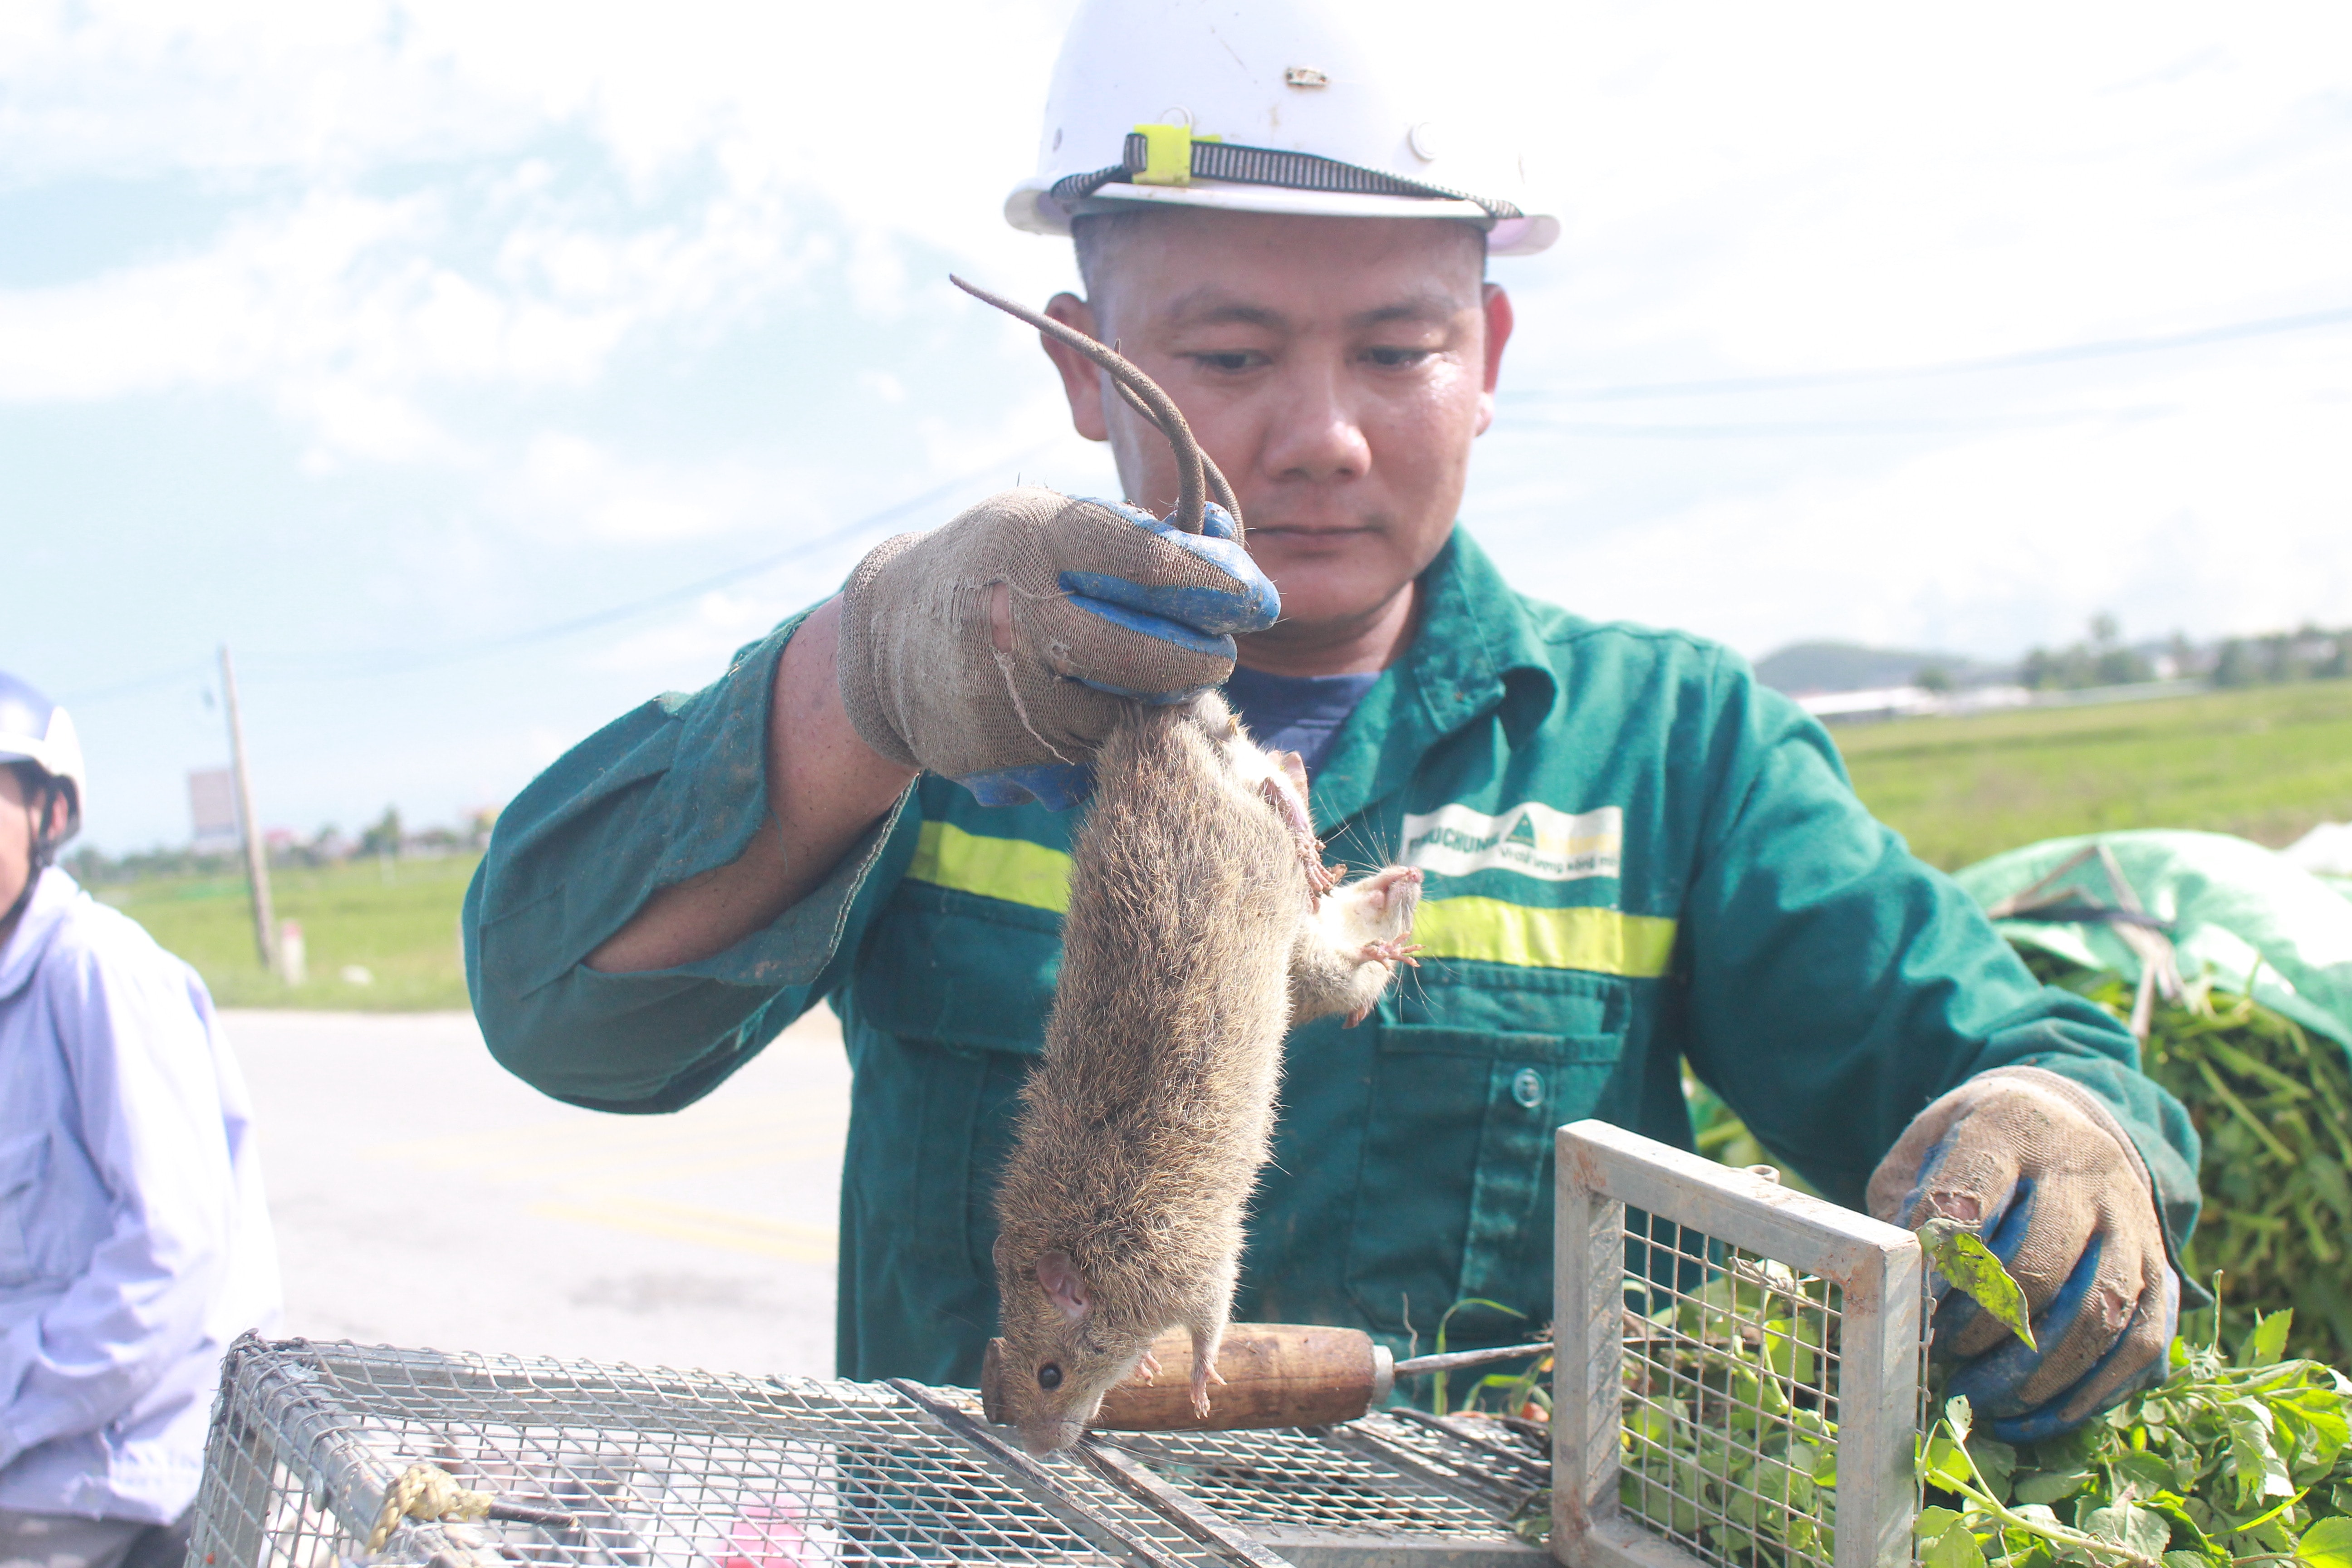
point(427, 1492)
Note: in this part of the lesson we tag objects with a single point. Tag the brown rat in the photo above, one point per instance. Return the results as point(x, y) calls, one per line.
point(1201, 924)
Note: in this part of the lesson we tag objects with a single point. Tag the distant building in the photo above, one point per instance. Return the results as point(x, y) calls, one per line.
point(1907, 702)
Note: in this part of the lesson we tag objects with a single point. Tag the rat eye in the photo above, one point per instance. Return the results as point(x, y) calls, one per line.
point(1049, 1376)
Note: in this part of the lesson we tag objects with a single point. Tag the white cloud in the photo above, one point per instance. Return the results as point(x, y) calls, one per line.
point(567, 488)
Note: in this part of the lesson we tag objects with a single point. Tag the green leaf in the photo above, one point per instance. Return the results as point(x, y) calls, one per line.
point(1961, 1256)
point(2131, 1527)
point(2259, 1471)
point(2175, 1508)
point(2266, 1340)
point(1943, 1465)
point(1957, 1548)
point(2328, 1544)
point(1932, 1522)
point(2149, 1473)
point(2047, 1487)
point(2317, 1417)
point(1996, 1462)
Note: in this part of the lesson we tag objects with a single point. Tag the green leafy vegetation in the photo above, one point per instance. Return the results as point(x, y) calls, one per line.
point(1727, 1439)
point(2266, 763)
point(2274, 1106)
point(2232, 1461)
point(395, 919)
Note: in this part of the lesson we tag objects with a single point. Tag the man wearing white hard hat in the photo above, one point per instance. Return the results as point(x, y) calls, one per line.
point(1633, 856)
point(134, 1243)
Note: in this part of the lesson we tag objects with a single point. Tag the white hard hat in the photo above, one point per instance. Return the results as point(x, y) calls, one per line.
point(37, 730)
point(1263, 106)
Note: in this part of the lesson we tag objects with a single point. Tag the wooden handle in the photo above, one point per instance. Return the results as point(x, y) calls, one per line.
point(1277, 1374)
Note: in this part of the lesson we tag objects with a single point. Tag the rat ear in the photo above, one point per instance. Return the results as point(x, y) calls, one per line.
point(1059, 1278)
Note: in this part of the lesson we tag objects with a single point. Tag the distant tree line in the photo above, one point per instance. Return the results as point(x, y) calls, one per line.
point(2103, 658)
point(2306, 655)
point(329, 845)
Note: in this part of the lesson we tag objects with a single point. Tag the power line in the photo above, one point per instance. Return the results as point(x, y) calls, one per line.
point(89, 696)
point(2107, 348)
point(382, 662)
point(1781, 429)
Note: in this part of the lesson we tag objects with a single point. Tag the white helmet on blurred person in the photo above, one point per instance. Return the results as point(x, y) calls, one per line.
point(37, 730)
point(1262, 106)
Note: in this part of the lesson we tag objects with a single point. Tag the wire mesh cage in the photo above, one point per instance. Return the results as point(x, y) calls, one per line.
point(1750, 1371)
point(588, 1466)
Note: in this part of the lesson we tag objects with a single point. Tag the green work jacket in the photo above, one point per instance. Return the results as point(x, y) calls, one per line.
point(1635, 858)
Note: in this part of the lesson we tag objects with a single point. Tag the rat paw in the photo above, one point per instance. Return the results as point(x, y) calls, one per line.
point(1389, 951)
point(1145, 1370)
point(1287, 792)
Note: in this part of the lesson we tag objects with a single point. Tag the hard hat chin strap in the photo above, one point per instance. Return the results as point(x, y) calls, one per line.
point(1238, 164)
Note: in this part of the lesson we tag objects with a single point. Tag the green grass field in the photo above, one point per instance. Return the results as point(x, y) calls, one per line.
point(2266, 763)
point(401, 925)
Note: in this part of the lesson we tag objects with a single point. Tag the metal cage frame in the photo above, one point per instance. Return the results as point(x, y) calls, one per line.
point(1876, 1268)
point(597, 1466)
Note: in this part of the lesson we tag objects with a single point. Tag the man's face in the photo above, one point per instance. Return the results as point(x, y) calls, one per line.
point(17, 807)
point(1336, 368)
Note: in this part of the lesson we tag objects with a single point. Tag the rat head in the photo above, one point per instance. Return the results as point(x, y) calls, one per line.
point(1379, 908)
point(1350, 949)
point(1057, 1360)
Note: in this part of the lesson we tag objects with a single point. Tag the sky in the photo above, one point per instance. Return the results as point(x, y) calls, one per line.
point(478, 369)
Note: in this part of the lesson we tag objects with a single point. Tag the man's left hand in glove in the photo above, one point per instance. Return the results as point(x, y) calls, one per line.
point(2035, 1164)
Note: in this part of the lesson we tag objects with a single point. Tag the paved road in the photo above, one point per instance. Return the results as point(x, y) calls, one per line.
point(425, 1197)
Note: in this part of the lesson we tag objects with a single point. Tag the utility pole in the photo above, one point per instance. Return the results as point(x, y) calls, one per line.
point(257, 858)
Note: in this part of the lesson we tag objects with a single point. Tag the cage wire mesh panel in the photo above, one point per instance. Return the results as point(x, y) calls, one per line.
point(1749, 1384)
point(606, 1466)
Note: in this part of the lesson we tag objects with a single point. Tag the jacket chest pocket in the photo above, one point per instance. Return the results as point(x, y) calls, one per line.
point(974, 973)
point(24, 1160)
point(1454, 1199)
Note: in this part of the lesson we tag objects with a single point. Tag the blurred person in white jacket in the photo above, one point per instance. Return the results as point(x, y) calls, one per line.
point(134, 1243)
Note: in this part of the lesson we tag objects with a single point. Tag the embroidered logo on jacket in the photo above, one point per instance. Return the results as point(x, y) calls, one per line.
point(1532, 839)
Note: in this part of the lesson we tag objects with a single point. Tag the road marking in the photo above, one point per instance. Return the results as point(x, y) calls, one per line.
point(709, 1227)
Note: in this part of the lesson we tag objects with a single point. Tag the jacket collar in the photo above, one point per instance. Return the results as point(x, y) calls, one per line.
point(44, 912)
point(1476, 651)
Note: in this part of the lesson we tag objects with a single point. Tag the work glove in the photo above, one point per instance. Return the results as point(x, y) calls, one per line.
point(2037, 1166)
point(1108, 603)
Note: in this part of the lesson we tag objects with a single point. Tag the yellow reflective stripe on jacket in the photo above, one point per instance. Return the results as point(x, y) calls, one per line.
point(1013, 869)
point(1606, 941)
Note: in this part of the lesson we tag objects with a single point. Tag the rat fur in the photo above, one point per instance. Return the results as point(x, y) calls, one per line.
point(1201, 924)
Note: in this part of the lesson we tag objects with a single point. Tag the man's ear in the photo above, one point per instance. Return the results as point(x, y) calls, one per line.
point(1082, 380)
point(1058, 1277)
point(1497, 307)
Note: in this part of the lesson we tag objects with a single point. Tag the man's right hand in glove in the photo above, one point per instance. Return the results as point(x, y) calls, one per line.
point(997, 650)
point(987, 650)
